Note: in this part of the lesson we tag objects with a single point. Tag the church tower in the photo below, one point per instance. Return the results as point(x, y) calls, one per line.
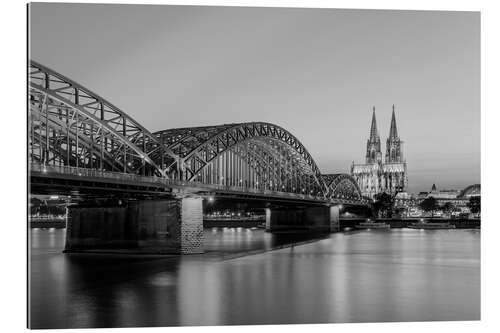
point(393, 153)
point(395, 175)
point(374, 176)
point(373, 153)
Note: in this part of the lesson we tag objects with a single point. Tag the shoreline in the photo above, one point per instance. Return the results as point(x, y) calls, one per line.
point(459, 223)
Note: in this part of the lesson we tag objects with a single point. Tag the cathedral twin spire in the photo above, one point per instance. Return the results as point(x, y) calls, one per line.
point(393, 133)
point(393, 152)
point(373, 153)
point(375, 176)
point(373, 131)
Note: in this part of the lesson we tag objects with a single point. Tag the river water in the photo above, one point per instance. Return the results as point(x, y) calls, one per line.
point(365, 276)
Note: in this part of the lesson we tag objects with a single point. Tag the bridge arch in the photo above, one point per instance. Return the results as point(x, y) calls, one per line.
point(280, 162)
point(471, 190)
point(342, 186)
point(71, 125)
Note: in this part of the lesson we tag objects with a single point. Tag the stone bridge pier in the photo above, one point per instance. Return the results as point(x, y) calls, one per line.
point(173, 225)
point(318, 219)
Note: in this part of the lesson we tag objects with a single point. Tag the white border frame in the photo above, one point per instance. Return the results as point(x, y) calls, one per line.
point(13, 84)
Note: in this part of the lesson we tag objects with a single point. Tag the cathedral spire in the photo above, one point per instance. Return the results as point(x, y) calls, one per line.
point(393, 133)
point(373, 130)
point(393, 152)
point(373, 154)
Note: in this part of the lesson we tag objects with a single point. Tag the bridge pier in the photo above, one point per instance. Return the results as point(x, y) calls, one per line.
point(334, 218)
point(147, 226)
point(317, 219)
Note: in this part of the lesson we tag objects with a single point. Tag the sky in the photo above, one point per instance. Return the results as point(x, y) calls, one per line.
point(315, 72)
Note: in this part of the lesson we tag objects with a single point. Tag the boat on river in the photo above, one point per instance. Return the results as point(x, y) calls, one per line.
point(369, 224)
point(424, 224)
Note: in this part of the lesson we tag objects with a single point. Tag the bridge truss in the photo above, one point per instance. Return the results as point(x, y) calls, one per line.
point(73, 127)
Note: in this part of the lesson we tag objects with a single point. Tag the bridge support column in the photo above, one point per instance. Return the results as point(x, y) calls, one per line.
point(191, 225)
point(148, 226)
point(268, 219)
point(335, 218)
point(171, 226)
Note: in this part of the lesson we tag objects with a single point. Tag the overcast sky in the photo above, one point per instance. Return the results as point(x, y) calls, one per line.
point(315, 72)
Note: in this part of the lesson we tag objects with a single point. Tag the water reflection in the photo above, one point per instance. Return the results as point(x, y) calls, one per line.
point(400, 275)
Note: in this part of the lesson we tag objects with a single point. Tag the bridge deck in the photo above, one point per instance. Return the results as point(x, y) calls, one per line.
point(52, 179)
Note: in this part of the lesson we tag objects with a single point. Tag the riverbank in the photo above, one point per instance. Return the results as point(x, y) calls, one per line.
point(253, 223)
point(459, 223)
point(403, 223)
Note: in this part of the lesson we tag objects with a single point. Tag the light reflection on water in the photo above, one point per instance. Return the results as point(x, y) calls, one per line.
point(359, 276)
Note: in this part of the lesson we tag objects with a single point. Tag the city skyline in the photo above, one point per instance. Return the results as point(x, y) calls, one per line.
point(316, 73)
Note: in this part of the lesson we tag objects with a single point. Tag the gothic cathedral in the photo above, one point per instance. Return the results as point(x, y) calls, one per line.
point(376, 176)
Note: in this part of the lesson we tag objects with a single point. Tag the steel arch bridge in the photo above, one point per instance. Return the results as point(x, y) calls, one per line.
point(471, 190)
point(71, 126)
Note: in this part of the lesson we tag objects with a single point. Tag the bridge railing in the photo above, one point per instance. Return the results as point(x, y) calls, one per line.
point(96, 173)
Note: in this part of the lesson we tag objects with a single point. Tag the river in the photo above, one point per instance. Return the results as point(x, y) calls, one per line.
point(362, 276)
